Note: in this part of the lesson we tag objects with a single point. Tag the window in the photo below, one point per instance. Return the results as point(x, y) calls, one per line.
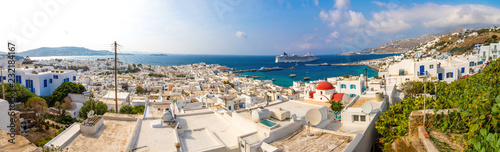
point(449, 75)
point(353, 86)
point(361, 118)
point(74, 78)
point(45, 83)
point(56, 77)
point(343, 86)
point(431, 66)
point(50, 80)
point(352, 95)
point(462, 70)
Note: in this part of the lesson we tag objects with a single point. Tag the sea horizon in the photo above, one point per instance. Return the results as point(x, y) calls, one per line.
point(245, 62)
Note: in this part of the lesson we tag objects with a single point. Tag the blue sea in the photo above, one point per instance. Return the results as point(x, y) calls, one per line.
point(244, 62)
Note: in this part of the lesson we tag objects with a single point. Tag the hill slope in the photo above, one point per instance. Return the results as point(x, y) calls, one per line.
point(64, 51)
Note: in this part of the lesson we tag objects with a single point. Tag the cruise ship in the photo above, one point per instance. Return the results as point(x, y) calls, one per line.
point(295, 58)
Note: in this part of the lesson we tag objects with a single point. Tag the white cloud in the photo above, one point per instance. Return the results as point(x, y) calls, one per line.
point(332, 16)
point(334, 34)
point(382, 4)
point(465, 15)
point(356, 19)
point(316, 2)
point(241, 34)
point(342, 4)
point(431, 15)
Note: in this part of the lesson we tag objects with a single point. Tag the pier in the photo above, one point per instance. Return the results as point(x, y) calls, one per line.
point(267, 69)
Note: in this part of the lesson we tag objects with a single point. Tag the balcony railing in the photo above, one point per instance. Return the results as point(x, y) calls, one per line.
point(422, 74)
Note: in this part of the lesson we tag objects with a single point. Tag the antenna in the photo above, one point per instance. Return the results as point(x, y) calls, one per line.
point(367, 108)
point(90, 114)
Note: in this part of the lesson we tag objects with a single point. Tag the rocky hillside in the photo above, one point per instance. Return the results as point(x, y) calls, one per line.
point(399, 46)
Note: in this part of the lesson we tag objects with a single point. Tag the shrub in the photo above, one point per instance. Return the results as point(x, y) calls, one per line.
point(43, 141)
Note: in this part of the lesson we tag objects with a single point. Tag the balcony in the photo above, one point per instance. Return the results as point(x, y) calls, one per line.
point(422, 73)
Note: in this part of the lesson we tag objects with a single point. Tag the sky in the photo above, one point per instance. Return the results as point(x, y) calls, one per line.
point(233, 27)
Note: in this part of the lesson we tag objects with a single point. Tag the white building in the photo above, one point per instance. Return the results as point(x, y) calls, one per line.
point(325, 92)
point(486, 51)
point(448, 70)
point(41, 80)
point(4, 117)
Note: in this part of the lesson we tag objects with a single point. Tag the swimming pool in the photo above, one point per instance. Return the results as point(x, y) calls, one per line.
point(268, 123)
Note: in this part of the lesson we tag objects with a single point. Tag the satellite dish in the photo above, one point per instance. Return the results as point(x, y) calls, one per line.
point(313, 116)
point(367, 108)
point(90, 114)
point(18, 64)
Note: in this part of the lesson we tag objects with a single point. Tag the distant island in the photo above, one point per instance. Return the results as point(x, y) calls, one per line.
point(66, 51)
point(158, 54)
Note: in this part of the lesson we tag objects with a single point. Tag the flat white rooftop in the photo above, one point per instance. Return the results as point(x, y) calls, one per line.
point(221, 128)
point(155, 139)
point(113, 136)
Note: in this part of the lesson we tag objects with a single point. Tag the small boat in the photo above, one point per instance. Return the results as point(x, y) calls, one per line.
point(264, 69)
point(307, 77)
point(324, 64)
point(293, 75)
point(273, 79)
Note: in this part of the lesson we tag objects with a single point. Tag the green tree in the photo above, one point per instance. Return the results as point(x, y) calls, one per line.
point(140, 90)
point(99, 108)
point(63, 90)
point(38, 105)
point(336, 106)
point(494, 36)
point(22, 94)
point(132, 109)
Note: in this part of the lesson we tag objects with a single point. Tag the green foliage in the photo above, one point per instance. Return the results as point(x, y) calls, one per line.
point(413, 88)
point(336, 106)
point(66, 120)
point(62, 91)
point(140, 90)
point(99, 108)
point(22, 93)
point(477, 99)
point(227, 82)
point(42, 141)
point(494, 36)
point(156, 75)
point(132, 109)
point(393, 123)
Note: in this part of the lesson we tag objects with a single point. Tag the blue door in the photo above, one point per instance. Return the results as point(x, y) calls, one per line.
point(440, 76)
point(229, 108)
point(462, 70)
point(422, 70)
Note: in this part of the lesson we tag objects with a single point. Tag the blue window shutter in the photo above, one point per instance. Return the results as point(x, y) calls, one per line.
point(451, 75)
point(27, 85)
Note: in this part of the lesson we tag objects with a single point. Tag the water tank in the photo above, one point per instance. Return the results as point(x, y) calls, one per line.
point(379, 96)
point(260, 114)
point(167, 116)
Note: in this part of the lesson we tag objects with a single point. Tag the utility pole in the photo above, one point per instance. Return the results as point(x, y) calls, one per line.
point(1, 77)
point(425, 111)
point(116, 83)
